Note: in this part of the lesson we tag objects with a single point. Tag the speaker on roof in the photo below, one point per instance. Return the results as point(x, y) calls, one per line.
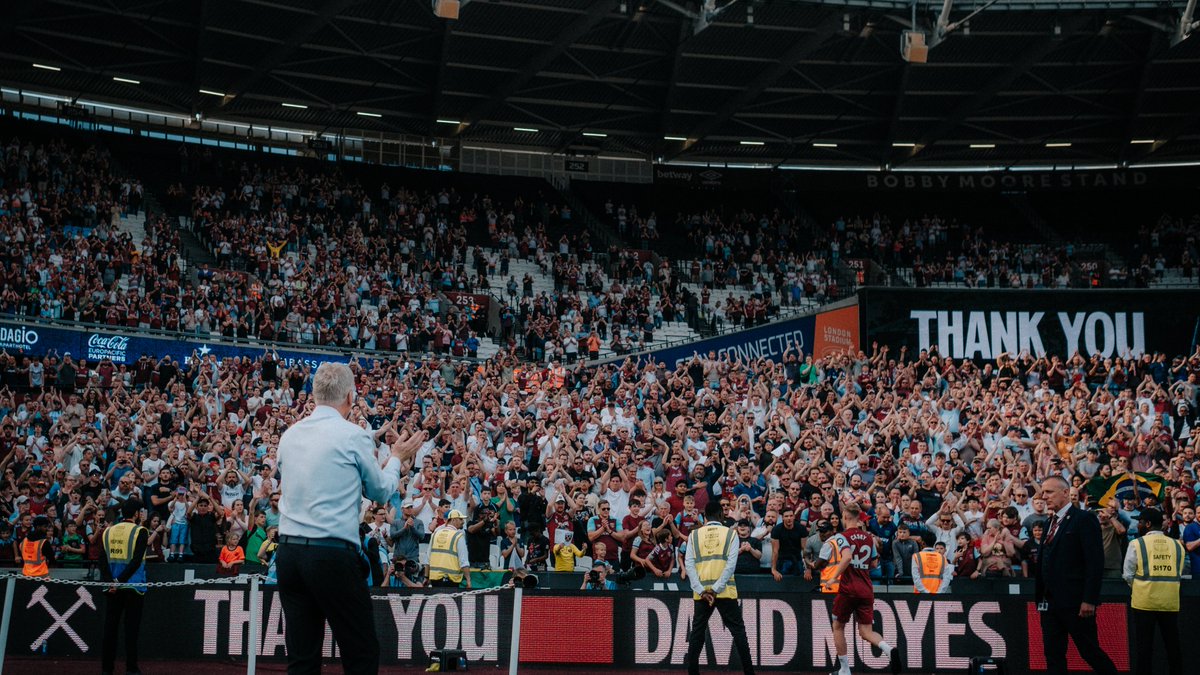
point(446, 9)
point(913, 47)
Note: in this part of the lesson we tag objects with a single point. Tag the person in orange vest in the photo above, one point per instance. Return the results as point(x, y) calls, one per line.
point(829, 557)
point(593, 346)
point(557, 376)
point(930, 569)
point(37, 550)
point(533, 380)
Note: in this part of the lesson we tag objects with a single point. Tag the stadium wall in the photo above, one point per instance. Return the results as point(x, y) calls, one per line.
point(787, 631)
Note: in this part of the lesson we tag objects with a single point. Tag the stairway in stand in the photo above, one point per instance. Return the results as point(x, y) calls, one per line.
point(135, 226)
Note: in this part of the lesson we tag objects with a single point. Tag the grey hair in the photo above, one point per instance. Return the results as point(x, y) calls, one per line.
point(331, 384)
point(1057, 479)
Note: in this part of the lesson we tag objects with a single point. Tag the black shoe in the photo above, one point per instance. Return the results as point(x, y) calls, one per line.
point(896, 660)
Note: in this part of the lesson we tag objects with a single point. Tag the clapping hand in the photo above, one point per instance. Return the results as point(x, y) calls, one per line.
point(406, 445)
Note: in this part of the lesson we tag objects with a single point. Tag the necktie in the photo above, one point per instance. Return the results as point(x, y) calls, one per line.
point(1053, 528)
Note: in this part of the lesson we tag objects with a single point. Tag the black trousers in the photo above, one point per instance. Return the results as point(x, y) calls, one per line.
point(1057, 625)
point(319, 584)
point(127, 602)
point(731, 616)
point(1144, 625)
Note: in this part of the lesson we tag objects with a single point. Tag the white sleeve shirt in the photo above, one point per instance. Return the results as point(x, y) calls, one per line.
point(327, 465)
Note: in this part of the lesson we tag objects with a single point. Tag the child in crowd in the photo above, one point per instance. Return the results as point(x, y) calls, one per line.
point(231, 558)
point(177, 524)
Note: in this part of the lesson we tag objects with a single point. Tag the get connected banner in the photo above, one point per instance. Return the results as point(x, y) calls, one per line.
point(984, 323)
point(821, 334)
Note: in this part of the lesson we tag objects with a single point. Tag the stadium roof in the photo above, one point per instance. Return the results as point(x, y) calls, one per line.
point(765, 81)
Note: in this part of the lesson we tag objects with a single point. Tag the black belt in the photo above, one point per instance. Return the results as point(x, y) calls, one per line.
point(326, 542)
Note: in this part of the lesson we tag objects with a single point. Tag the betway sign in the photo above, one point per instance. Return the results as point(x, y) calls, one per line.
point(982, 324)
point(796, 633)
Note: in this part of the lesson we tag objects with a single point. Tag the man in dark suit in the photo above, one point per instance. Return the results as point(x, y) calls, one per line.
point(1068, 581)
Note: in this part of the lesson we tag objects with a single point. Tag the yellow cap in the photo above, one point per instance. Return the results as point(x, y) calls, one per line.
point(455, 514)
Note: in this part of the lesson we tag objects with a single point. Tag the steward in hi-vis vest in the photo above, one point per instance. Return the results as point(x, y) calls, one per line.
point(1154, 564)
point(36, 549)
point(712, 553)
point(448, 564)
point(930, 569)
point(123, 562)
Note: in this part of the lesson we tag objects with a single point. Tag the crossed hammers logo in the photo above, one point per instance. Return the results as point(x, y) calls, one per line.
point(60, 620)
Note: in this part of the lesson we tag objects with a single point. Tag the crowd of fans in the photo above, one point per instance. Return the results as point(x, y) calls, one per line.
point(767, 257)
point(1170, 242)
point(613, 463)
point(553, 460)
point(64, 256)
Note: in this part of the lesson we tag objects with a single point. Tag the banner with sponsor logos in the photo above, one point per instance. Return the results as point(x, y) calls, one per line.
point(983, 323)
point(821, 334)
point(710, 178)
point(37, 339)
point(761, 342)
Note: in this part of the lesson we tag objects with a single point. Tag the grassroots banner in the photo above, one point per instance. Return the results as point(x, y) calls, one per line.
point(982, 324)
point(1104, 491)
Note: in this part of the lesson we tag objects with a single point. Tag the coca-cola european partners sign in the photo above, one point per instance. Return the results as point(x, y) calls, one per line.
point(107, 347)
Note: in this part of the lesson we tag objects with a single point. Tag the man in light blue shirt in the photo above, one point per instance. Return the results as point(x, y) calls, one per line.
point(326, 465)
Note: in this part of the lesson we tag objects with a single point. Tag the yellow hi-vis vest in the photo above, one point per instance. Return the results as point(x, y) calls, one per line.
point(830, 568)
point(119, 541)
point(1156, 577)
point(443, 555)
point(933, 564)
point(710, 548)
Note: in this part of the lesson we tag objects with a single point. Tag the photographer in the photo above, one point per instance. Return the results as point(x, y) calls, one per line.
point(597, 579)
point(407, 533)
point(481, 534)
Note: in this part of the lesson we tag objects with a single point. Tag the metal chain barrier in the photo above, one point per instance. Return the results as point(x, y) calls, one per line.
point(243, 578)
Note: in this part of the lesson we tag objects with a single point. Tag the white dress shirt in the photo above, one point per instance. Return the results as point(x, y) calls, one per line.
point(327, 464)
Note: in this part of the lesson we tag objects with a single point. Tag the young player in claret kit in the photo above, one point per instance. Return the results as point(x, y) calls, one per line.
point(855, 595)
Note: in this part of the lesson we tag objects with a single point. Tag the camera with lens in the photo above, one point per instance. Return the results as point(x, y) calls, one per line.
point(594, 577)
point(628, 576)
